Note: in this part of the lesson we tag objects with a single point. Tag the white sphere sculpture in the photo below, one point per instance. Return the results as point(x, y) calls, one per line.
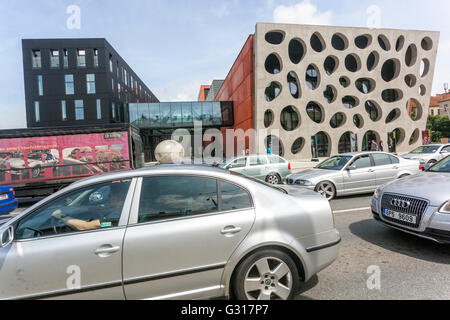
point(169, 151)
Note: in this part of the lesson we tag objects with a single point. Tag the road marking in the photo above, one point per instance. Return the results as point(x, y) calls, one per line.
point(351, 210)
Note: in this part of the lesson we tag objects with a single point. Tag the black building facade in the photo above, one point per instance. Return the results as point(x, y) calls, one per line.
point(70, 82)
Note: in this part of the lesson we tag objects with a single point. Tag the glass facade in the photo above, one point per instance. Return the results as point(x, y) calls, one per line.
point(180, 114)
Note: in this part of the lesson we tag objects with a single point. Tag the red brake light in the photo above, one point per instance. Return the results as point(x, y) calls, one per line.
point(289, 166)
point(420, 167)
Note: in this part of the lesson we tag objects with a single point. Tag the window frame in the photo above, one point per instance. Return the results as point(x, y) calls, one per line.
point(383, 154)
point(123, 221)
point(372, 162)
point(134, 215)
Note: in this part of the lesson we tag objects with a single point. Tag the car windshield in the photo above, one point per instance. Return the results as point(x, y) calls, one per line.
point(441, 166)
point(334, 163)
point(258, 181)
point(426, 149)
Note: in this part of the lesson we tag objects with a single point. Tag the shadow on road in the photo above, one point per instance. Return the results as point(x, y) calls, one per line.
point(305, 287)
point(401, 242)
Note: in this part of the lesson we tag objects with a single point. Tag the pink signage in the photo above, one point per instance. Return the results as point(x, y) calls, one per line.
point(35, 159)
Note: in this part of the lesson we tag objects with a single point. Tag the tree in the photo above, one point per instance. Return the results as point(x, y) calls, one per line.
point(439, 127)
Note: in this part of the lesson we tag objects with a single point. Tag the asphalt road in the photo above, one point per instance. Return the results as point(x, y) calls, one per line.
point(410, 267)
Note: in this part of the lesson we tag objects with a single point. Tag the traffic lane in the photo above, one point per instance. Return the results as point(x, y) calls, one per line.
point(361, 201)
point(410, 267)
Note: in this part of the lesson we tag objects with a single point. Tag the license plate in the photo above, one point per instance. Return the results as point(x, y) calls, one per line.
point(409, 218)
point(3, 196)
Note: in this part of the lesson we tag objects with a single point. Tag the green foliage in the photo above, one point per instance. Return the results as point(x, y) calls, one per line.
point(439, 127)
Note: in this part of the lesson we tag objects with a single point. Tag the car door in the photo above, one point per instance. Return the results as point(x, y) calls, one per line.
point(70, 247)
point(385, 170)
point(256, 167)
point(182, 232)
point(362, 178)
point(239, 165)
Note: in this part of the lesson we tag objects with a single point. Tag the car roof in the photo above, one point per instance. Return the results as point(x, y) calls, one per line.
point(163, 168)
point(352, 154)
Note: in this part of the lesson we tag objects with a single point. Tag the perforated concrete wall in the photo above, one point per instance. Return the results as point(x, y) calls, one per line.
point(334, 81)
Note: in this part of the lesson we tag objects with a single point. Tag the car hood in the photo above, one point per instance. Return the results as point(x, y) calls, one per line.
point(433, 186)
point(313, 174)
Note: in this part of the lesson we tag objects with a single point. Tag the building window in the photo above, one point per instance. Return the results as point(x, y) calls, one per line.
point(36, 59)
point(131, 82)
point(117, 71)
point(36, 112)
point(119, 88)
point(96, 58)
point(54, 58)
point(99, 109)
point(112, 82)
point(63, 110)
point(90, 82)
point(66, 58)
point(40, 85)
point(79, 110)
point(69, 84)
point(110, 64)
point(113, 111)
point(81, 58)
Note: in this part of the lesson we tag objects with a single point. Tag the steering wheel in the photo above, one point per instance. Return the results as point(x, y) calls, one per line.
point(59, 226)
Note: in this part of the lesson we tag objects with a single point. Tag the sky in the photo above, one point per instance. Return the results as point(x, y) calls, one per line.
point(177, 45)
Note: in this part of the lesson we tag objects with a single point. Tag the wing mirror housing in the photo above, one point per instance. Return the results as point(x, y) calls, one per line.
point(7, 237)
point(351, 167)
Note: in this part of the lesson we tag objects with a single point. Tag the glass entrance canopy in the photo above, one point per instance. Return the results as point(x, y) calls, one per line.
point(180, 114)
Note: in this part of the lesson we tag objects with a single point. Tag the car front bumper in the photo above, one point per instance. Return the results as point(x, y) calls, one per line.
point(433, 225)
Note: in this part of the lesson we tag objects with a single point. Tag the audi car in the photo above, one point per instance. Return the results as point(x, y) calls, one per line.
point(418, 205)
point(167, 232)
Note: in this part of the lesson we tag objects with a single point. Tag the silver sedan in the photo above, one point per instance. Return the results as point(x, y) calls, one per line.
point(418, 205)
point(167, 232)
point(353, 173)
point(429, 154)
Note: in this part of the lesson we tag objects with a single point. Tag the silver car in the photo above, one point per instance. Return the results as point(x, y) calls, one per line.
point(429, 154)
point(418, 205)
point(270, 168)
point(353, 173)
point(167, 232)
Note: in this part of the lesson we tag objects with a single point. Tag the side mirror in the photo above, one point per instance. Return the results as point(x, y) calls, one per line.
point(351, 167)
point(7, 237)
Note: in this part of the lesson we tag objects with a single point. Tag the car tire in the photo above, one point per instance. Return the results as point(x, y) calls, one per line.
point(266, 275)
point(326, 189)
point(273, 178)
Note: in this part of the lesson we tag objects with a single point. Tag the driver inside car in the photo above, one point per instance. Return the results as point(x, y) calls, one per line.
point(106, 215)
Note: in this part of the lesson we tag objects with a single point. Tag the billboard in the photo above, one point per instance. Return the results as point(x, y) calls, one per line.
point(36, 159)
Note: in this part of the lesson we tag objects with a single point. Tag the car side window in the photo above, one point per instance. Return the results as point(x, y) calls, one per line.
point(446, 149)
point(275, 160)
point(94, 207)
point(254, 161)
point(233, 197)
point(362, 162)
point(394, 160)
point(381, 159)
point(262, 160)
point(176, 196)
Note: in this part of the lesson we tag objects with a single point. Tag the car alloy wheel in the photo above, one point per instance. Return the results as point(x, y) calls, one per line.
point(327, 190)
point(35, 172)
point(273, 179)
point(267, 275)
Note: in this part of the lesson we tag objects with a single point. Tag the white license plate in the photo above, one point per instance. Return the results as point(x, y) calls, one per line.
point(3, 196)
point(409, 218)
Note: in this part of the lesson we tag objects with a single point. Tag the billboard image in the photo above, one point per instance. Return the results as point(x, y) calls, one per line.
point(35, 159)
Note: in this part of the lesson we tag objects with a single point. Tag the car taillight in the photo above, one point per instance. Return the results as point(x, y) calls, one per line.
point(14, 193)
point(289, 166)
point(420, 167)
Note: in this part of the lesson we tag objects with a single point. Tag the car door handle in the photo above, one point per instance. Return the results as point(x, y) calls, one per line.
point(231, 230)
point(106, 250)
point(371, 170)
point(395, 167)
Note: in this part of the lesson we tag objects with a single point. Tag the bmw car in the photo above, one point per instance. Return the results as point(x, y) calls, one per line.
point(168, 232)
point(418, 205)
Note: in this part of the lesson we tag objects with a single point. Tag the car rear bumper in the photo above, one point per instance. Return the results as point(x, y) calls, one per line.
point(8, 207)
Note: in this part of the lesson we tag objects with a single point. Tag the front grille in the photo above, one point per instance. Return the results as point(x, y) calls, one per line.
point(417, 207)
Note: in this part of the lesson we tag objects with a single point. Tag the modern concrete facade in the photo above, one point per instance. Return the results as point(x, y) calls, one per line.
point(342, 83)
point(351, 80)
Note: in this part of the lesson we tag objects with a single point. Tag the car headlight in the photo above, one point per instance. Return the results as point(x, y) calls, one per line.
point(445, 208)
point(303, 183)
point(377, 193)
